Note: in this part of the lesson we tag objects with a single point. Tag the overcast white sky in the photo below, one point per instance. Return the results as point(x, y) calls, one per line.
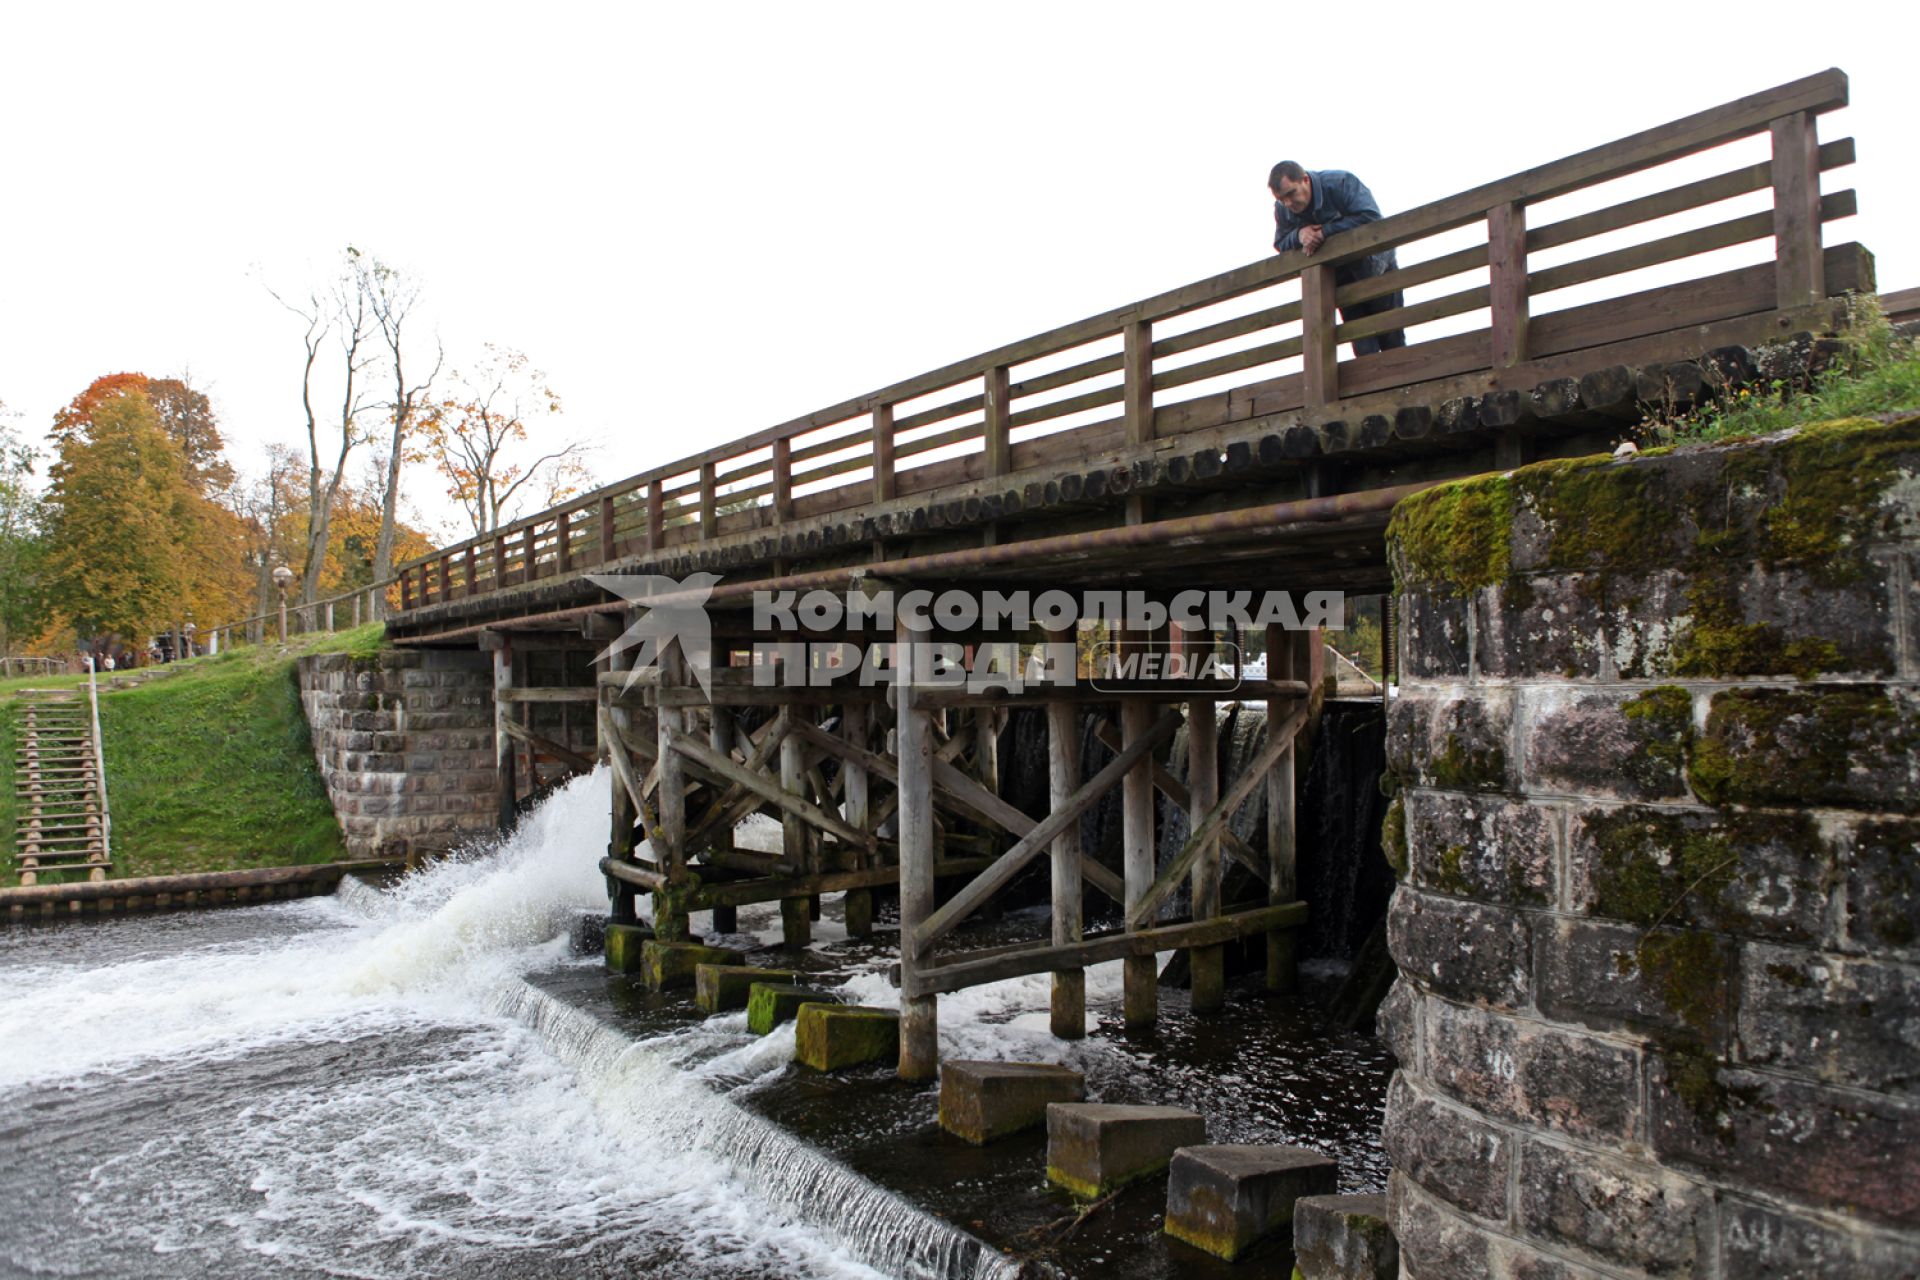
point(705, 219)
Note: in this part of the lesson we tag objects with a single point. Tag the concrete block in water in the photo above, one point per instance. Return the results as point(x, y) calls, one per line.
point(622, 945)
point(720, 987)
point(771, 1003)
point(1093, 1147)
point(1344, 1238)
point(1228, 1197)
point(666, 965)
point(827, 1037)
point(981, 1101)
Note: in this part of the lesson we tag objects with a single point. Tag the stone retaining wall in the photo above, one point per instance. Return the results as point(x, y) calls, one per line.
point(405, 743)
point(1657, 751)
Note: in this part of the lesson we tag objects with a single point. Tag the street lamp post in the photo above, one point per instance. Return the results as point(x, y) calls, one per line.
point(282, 576)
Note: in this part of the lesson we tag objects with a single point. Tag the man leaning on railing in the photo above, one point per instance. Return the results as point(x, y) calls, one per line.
point(1309, 206)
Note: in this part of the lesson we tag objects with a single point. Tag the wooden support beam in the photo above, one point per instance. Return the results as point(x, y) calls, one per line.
point(550, 693)
point(999, 419)
point(1288, 655)
point(1007, 865)
point(607, 540)
point(919, 1014)
point(563, 540)
point(1176, 791)
point(1202, 851)
point(566, 755)
point(746, 892)
point(669, 839)
point(884, 487)
point(1799, 262)
point(1207, 828)
point(782, 465)
point(791, 802)
point(628, 873)
point(855, 797)
point(656, 516)
point(1507, 264)
point(796, 926)
point(960, 972)
point(1069, 1004)
point(1319, 353)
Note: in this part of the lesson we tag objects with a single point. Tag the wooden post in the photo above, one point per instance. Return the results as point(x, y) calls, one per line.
point(1063, 779)
point(563, 541)
point(506, 785)
point(656, 515)
point(721, 735)
point(1286, 660)
point(499, 562)
point(527, 565)
point(919, 1015)
point(999, 420)
point(620, 894)
point(670, 799)
point(329, 615)
point(1136, 399)
point(782, 479)
point(706, 501)
point(883, 484)
point(473, 576)
point(1507, 269)
point(1319, 369)
point(1208, 964)
point(1799, 269)
point(356, 611)
point(446, 578)
point(1140, 999)
point(858, 812)
point(406, 590)
point(606, 530)
point(796, 928)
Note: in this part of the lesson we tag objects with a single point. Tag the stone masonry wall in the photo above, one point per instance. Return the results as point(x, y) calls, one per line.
point(405, 742)
point(1657, 753)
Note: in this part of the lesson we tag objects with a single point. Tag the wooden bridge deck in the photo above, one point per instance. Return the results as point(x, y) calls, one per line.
point(1227, 396)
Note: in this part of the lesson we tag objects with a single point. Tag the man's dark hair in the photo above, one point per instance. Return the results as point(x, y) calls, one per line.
point(1288, 169)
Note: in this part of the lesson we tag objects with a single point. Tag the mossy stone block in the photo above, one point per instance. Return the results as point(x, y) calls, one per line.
point(1228, 1197)
point(1344, 1238)
point(720, 987)
point(666, 965)
point(828, 1037)
point(982, 1101)
point(1094, 1147)
point(623, 945)
point(771, 1003)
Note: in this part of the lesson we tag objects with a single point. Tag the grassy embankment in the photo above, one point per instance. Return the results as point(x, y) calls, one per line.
point(209, 765)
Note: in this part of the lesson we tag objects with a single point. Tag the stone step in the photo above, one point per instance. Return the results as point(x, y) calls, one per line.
point(828, 1037)
point(622, 946)
point(1228, 1197)
point(982, 1101)
point(718, 988)
point(1095, 1147)
point(771, 1003)
point(665, 966)
point(1344, 1238)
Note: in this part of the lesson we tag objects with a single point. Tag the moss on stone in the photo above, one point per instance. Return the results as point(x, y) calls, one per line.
point(1835, 474)
point(1655, 867)
point(1450, 874)
point(1662, 721)
point(1689, 970)
point(1793, 746)
point(1598, 513)
point(1457, 767)
point(1457, 537)
point(1393, 837)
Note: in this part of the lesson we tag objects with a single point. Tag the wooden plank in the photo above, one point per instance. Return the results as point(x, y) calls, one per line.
point(656, 516)
point(608, 545)
point(1798, 274)
point(999, 417)
point(1222, 331)
point(1217, 815)
point(685, 744)
point(548, 694)
point(1507, 265)
point(731, 806)
point(746, 892)
point(1158, 779)
point(566, 755)
point(1010, 863)
point(783, 479)
point(1232, 362)
point(961, 972)
point(1319, 371)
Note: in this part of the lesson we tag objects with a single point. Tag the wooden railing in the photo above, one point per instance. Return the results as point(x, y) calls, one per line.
point(1109, 381)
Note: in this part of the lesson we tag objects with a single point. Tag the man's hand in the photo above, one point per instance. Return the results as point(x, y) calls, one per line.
point(1311, 238)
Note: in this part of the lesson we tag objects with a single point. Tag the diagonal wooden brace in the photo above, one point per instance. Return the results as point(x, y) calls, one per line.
point(703, 754)
point(1175, 790)
point(1008, 865)
point(1208, 828)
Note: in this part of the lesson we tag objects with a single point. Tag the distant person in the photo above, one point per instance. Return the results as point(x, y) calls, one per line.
point(1311, 205)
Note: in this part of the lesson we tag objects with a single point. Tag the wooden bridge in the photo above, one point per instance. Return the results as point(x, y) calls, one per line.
point(1208, 437)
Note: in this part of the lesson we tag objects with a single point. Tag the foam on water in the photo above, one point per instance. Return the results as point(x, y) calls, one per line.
point(368, 1086)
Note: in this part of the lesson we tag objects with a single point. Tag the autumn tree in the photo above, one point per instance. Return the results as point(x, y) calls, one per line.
point(393, 297)
point(337, 317)
point(494, 438)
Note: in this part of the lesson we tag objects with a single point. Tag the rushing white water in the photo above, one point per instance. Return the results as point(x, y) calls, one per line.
point(367, 1086)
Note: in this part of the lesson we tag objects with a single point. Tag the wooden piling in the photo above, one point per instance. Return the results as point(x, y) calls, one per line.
point(1208, 964)
point(858, 903)
point(919, 1015)
point(1140, 999)
point(1063, 779)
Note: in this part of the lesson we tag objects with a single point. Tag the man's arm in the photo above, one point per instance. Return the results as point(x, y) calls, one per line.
point(1286, 232)
point(1356, 204)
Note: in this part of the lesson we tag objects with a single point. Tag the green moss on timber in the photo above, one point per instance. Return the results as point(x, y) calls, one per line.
point(672, 905)
point(1662, 721)
point(1794, 746)
point(1457, 768)
point(1455, 536)
point(1689, 969)
point(1393, 837)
